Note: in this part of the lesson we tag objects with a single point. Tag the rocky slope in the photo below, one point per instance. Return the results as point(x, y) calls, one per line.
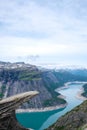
point(8, 106)
point(73, 120)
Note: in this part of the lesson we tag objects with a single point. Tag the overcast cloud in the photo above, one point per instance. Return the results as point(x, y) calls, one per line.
point(55, 30)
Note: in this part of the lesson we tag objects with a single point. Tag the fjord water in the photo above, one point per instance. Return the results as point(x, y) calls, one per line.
point(42, 120)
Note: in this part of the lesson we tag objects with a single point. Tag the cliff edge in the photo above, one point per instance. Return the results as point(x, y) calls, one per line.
point(7, 110)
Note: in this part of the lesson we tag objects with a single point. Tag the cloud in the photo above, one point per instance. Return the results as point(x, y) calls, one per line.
point(30, 18)
point(27, 17)
point(49, 27)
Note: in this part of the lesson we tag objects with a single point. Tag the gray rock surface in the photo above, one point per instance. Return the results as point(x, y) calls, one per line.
point(76, 119)
point(7, 110)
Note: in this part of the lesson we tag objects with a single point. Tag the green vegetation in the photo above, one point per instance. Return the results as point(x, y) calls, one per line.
point(2, 90)
point(53, 101)
point(28, 75)
point(84, 127)
point(59, 128)
point(1, 95)
point(85, 90)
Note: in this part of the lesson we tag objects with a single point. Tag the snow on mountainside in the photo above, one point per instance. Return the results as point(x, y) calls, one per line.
point(58, 66)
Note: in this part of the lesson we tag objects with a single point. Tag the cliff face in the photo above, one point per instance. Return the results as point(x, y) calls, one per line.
point(19, 77)
point(73, 120)
point(7, 110)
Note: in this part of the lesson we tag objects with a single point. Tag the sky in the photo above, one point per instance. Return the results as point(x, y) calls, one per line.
point(44, 31)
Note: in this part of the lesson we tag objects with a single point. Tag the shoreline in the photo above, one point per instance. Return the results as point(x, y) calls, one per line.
point(42, 109)
point(79, 93)
point(65, 86)
point(46, 108)
point(79, 96)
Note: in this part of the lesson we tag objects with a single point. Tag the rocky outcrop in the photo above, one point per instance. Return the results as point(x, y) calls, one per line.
point(7, 110)
point(76, 119)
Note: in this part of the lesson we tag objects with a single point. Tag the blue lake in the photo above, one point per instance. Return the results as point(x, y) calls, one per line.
point(41, 120)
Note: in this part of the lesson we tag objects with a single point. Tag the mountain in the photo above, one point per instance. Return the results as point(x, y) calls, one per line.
point(20, 77)
point(76, 119)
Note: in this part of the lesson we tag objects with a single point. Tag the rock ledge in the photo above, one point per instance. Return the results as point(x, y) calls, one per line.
point(8, 106)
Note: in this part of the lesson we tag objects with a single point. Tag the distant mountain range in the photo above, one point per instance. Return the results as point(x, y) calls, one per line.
point(58, 66)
